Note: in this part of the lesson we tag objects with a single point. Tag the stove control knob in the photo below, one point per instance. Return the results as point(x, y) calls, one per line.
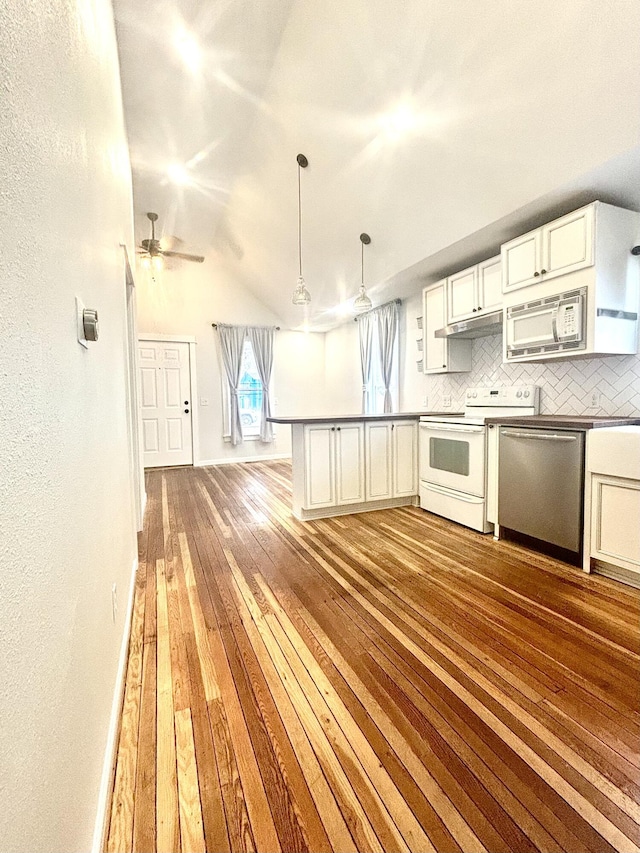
point(475, 394)
point(518, 393)
point(468, 393)
point(526, 393)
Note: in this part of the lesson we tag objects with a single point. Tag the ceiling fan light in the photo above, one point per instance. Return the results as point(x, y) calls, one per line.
point(157, 262)
point(145, 262)
point(301, 295)
point(362, 302)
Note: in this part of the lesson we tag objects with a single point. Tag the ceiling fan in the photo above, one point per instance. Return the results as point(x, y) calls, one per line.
point(151, 251)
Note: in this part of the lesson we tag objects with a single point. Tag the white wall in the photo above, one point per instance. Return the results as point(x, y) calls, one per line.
point(186, 300)
point(66, 514)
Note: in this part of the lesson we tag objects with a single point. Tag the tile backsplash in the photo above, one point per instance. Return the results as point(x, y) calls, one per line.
point(566, 387)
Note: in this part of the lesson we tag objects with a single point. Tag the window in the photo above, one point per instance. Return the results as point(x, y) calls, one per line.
point(249, 394)
point(375, 386)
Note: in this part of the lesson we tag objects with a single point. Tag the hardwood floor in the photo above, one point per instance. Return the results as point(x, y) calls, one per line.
point(381, 682)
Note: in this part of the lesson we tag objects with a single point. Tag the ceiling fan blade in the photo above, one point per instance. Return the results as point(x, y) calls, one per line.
point(197, 258)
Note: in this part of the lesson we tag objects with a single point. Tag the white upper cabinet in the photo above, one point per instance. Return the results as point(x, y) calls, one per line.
point(441, 355)
point(560, 247)
point(474, 291)
point(490, 285)
point(462, 295)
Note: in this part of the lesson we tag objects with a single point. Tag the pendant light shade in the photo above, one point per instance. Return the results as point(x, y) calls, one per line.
point(362, 302)
point(301, 295)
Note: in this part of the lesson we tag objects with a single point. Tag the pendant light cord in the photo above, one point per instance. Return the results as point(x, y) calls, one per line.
point(299, 226)
point(362, 265)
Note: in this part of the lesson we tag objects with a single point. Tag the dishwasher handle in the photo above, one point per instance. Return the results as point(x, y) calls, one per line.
point(544, 436)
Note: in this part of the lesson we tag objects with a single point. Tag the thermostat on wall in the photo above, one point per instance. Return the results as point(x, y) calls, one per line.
point(87, 320)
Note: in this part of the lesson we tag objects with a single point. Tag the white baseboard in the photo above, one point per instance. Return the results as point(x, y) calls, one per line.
point(106, 782)
point(204, 463)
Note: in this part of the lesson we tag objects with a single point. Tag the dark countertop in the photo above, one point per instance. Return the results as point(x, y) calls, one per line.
point(564, 421)
point(335, 419)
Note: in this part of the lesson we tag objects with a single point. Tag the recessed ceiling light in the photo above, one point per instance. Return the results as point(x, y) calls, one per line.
point(400, 121)
point(178, 174)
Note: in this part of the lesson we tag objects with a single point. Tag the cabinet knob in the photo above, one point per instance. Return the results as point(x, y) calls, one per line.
point(333, 429)
point(444, 365)
point(536, 274)
point(542, 272)
point(479, 307)
point(338, 429)
point(474, 310)
point(186, 411)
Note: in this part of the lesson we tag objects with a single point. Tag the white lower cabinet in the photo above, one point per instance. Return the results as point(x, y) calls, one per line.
point(392, 459)
point(612, 503)
point(352, 466)
point(615, 521)
point(333, 464)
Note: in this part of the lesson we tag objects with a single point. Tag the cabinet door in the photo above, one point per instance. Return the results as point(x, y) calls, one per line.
point(319, 465)
point(435, 349)
point(567, 243)
point(405, 458)
point(489, 285)
point(379, 479)
point(615, 521)
point(521, 261)
point(462, 298)
point(349, 463)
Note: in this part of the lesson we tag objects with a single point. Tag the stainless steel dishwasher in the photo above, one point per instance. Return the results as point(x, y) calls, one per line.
point(540, 484)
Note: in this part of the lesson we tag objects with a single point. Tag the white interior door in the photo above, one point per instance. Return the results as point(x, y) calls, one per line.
point(165, 397)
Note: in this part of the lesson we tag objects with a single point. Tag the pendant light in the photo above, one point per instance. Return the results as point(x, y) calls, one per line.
point(301, 295)
point(362, 302)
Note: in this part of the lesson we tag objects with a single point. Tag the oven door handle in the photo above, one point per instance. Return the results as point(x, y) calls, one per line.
point(436, 427)
point(450, 493)
point(545, 436)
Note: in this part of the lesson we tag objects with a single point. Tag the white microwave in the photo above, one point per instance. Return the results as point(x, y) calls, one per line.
point(554, 324)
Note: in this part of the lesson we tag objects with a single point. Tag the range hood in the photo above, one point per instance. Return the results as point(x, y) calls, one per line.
point(474, 327)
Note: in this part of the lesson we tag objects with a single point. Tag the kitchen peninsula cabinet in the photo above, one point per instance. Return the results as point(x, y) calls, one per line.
point(353, 463)
point(392, 459)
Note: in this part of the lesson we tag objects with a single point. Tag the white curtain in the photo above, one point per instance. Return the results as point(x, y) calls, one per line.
point(262, 343)
point(365, 332)
point(231, 344)
point(387, 319)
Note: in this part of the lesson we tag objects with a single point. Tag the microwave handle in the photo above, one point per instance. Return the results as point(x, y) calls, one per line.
point(554, 325)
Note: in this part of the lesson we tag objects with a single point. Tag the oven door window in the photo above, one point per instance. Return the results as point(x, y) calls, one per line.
point(449, 454)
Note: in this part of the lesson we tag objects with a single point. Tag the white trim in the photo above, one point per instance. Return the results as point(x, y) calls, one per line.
point(106, 782)
point(349, 509)
point(195, 408)
point(203, 463)
point(176, 339)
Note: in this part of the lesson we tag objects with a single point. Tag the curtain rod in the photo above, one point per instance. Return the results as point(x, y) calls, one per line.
point(277, 328)
point(373, 310)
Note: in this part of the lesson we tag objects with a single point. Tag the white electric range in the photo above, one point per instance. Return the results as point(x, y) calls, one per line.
point(453, 453)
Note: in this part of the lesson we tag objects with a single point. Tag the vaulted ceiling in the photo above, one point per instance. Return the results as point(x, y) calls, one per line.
point(434, 125)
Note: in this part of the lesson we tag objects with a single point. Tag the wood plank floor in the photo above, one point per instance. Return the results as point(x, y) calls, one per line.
point(387, 681)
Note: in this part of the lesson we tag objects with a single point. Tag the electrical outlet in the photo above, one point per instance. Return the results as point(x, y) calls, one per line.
point(446, 400)
point(204, 401)
point(114, 602)
point(424, 402)
point(595, 400)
